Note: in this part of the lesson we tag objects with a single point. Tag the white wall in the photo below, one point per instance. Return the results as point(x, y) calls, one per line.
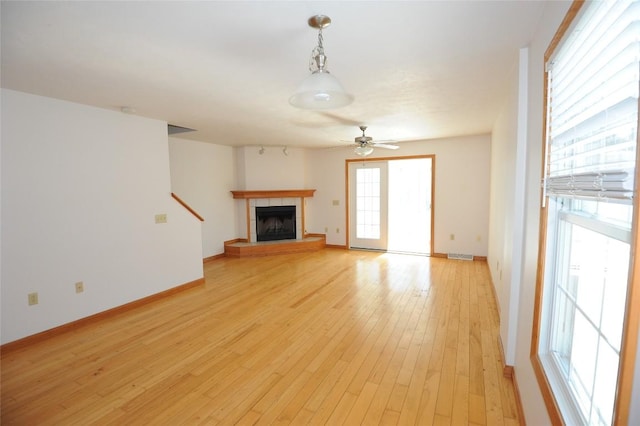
point(462, 175)
point(203, 175)
point(326, 174)
point(503, 160)
point(534, 407)
point(506, 228)
point(272, 169)
point(80, 189)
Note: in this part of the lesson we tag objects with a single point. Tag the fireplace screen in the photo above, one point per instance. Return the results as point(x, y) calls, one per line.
point(275, 223)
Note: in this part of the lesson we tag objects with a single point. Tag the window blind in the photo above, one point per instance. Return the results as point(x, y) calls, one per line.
point(593, 105)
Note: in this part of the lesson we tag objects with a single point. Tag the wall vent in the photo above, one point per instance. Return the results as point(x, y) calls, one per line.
point(459, 256)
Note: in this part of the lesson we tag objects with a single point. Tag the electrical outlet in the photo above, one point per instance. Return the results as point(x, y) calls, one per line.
point(337, 230)
point(335, 202)
point(161, 218)
point(79, 287)
point(326, 230)
point(452, 237)
point(32, 298)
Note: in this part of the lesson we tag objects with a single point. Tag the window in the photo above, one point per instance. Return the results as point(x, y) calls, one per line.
point(587, 285)
point(586, 240)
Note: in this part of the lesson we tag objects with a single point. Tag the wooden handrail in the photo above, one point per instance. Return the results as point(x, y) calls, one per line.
point(186, 206)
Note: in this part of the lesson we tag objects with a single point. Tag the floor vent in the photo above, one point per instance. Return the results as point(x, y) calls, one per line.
point(459, 256)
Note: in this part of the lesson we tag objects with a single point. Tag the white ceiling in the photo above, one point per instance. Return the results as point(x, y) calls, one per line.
point(417, 69)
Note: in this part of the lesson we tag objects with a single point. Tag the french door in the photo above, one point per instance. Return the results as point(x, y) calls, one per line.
point(390, 205)
point(368, 205)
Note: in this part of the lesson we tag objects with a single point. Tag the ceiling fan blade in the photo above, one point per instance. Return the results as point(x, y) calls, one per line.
point(384, 145)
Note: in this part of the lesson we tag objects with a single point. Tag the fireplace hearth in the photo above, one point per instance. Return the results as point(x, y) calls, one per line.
point(275, 223)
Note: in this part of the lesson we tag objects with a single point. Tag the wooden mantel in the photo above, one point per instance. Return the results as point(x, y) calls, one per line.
point(274, 193)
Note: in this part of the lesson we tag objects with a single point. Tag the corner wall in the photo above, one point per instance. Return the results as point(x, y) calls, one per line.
point(506, 227)
point(203, 175)
point(80, 190)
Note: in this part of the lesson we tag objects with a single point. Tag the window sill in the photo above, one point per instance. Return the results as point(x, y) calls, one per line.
point(560, 404)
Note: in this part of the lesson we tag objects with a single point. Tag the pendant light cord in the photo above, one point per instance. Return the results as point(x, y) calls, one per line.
point(318, 59)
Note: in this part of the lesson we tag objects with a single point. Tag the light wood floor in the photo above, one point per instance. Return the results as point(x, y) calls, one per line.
point(331, 337)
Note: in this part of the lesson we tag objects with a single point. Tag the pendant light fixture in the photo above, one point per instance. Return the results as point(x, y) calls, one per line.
point(320, 90)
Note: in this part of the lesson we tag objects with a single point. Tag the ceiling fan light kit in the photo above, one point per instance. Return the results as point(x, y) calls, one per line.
point(363, 150)
point(320, 90)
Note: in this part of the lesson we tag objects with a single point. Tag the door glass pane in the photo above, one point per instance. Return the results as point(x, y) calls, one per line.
point(368, 203)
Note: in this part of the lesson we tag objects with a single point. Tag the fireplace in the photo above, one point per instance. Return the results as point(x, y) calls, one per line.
point(275, 223)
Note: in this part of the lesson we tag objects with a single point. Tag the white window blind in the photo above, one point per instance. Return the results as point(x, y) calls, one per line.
point(593, 105)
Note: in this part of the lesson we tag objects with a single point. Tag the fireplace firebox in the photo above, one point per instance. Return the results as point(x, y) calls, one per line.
point(275, 223)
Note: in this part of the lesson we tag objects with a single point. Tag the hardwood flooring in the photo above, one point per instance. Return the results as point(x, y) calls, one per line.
point(329, 337)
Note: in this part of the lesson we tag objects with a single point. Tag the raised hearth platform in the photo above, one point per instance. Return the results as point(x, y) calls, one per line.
point(242, 248)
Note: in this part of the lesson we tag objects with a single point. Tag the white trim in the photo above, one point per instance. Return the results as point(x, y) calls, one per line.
point(605, 228)
point(563, 396)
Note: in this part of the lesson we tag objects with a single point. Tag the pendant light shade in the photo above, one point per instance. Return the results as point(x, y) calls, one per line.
point(320, 90)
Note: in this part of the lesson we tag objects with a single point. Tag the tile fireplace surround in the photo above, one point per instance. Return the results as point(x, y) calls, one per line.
point(288, 197)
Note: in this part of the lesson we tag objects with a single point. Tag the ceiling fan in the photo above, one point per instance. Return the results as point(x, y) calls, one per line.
point(365, 144)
